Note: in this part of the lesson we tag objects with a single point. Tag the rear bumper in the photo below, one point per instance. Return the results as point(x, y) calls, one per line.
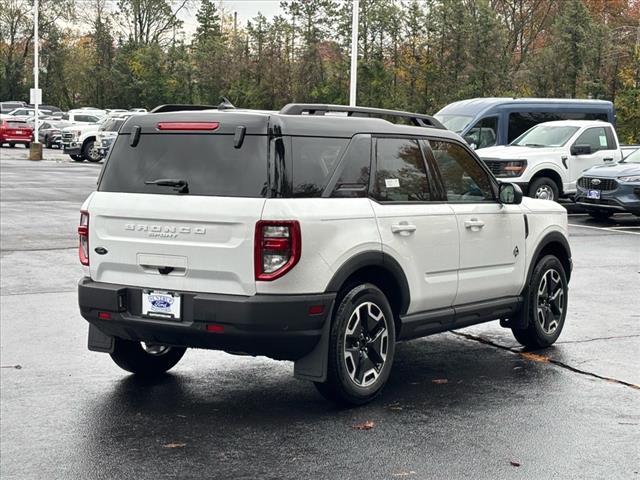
point(12, 139)
point(277, 326)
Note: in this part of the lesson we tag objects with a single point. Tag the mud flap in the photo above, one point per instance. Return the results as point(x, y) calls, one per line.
point(313, 366)
point(98, 341)
point(519, 320)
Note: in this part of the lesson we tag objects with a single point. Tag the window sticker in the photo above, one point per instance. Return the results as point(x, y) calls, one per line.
point(603, 140)
point(392, 183)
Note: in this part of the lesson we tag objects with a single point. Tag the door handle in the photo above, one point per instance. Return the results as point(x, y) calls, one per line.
point(403, 228)
point(608, 159)
point(474, 224)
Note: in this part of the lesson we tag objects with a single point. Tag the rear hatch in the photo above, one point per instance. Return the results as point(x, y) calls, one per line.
point(197, 238)
point(18, 129)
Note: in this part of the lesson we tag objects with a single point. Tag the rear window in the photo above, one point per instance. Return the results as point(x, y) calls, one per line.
point(12, 124)
point(210, 164)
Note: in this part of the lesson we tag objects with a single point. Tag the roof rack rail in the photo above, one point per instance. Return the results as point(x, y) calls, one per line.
point(177, 107)
point(417, 119)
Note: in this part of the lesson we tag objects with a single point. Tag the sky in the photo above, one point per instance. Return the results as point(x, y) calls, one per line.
point(247, 9)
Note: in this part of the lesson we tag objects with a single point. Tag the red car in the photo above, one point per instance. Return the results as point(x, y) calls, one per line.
point(15, 131)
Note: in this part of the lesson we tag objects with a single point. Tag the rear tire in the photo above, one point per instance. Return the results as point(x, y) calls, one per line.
point(361, 347)
point(12, 145)
point(544, 187)
point(546, 305)
point(149, 360)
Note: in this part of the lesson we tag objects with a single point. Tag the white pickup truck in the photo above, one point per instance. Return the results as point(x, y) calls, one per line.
point(547, 160)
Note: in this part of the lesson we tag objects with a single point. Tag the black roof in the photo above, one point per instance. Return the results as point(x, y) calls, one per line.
point(302, 120)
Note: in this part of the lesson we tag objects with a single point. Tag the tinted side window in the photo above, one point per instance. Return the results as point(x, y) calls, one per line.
point(401, 173)
point(463, 177)
point(353, 177)
point(314, 160)
point(596, 138)
point(483, 133)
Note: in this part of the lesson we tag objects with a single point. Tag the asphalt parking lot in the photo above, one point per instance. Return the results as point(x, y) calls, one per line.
point(468, 404)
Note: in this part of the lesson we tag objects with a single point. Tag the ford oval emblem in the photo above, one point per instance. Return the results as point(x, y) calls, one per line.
point(596, 181)
point(160, 302)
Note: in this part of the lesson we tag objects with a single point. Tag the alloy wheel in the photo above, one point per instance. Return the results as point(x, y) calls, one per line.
point(550, 301)
point(366, 344)
point(544, 192)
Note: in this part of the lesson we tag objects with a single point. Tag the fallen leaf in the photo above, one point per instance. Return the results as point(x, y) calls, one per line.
point(535, 357)
point(440, 381)
point(174, 445)
point(403, 474)
point(394, 406)
point(368, 425)
point(514, 464)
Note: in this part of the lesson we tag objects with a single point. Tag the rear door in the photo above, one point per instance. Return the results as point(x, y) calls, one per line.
point(200, 240)
point(419, 233)
point(491, 235)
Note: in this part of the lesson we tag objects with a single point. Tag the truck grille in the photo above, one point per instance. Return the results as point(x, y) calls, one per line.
point(67, 137)
point(593, 183)
point(494, 165)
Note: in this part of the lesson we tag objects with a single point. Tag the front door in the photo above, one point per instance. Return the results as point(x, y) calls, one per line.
point(420, 234)
point(603, 150)
point(491, 235)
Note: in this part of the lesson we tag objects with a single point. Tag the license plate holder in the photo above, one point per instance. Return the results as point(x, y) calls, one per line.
point(161, 304)
point(593, 194)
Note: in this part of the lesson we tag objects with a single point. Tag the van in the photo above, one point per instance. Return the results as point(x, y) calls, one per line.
point(485, 122)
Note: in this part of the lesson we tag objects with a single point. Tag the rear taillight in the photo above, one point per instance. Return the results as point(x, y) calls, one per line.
point(83, 234)
point(277, 248)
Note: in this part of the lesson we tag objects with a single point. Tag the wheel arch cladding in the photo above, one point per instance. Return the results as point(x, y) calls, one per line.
point(381, 270)
point(556, 244)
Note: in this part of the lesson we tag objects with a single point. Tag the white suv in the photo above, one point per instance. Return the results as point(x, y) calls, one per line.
point(314, 235)
point(547, 160)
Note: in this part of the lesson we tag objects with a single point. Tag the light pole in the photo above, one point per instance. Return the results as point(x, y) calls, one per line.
point(35, 150)
point(354, 55)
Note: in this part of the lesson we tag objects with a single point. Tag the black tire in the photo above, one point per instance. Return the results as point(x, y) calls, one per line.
point(27, 145)
point(90, 152)
point(545, 305)
point(358, 364)
point(77, 158)
point(544, 186)
point(12, 145)
point(47, 142)
point(132, 357)
point(600, 215)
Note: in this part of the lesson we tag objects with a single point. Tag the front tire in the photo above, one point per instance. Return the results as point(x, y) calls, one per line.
point(544, 188)
point(546, 305)
point(361, 347)
point(90, 152)
point(145, 359)
point(600, 215)
point(77, 158)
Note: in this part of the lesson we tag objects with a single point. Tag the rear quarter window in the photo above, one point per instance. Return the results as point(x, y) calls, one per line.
point(208, 163)
point(314, 161)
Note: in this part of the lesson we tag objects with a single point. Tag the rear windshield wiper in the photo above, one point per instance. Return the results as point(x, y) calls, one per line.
point(180, 186)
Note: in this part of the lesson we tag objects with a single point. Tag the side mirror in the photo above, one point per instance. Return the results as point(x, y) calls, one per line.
point(581, 150)
point(510, 194)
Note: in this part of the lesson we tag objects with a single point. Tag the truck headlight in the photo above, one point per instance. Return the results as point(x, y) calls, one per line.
point(512, 168)
point(632, 178)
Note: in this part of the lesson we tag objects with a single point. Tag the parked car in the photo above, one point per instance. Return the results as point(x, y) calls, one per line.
point(25, 113)
point(606, 189)
point(15, 132)
point(107, 133)
point(547, 160)
point(324, 243)
point(79, 140)
point(485, 122)
point(50, 108)
point(50, 133)
point(6, 107)
point(83, 116)
point(138, 110)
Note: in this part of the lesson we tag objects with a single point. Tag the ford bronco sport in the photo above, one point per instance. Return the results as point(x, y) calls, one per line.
point(319, 234)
